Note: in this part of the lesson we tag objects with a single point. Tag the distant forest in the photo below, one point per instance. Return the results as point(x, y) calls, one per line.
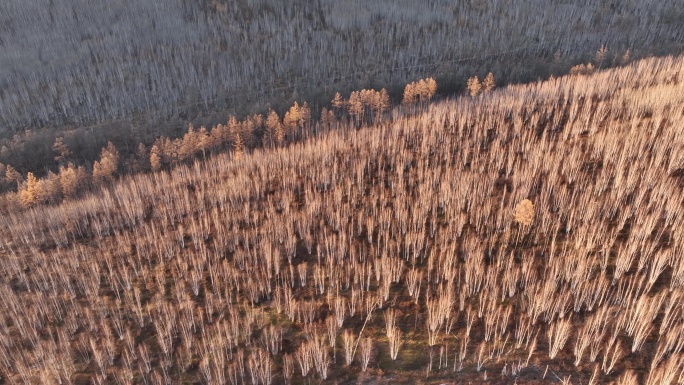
point(129, 72)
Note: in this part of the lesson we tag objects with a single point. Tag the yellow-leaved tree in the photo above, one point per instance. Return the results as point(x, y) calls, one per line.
point(474, 86)
point(488, 83)
point(104, 170)
point(29, 194)
point(524, 212)
point(274, 128)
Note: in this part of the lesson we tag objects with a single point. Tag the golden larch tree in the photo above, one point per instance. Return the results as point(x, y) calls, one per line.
point(155, 158)
point(356, 106)
point(338, 103)
point(275, 128)
point(409, 95)
point(105, 169)
point(233, 128)
point(28, 194)
point(203, 141)
point(68, 179)
point(291, 120)
point(488, 83)
point(385, 102)
point(474, 86)
point(304, 116)
point(61, 150)
point(326, 118)
point(188, 144)
point(431, 88)
point(12, 175)
point(524, 212)
point(217, 136)
point(50, 188)
point(238, 147)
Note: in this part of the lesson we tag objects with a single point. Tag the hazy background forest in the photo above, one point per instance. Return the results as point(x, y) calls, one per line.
point(129, 71)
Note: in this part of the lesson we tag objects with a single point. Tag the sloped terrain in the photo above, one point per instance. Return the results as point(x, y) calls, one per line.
point(402, 252)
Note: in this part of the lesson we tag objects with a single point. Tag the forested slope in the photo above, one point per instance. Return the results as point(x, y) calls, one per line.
point(529, 234)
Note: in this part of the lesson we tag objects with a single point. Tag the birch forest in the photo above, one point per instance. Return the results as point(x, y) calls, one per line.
point(252, 192)
point(527, 234)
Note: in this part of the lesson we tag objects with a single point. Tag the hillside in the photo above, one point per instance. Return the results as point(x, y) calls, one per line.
point(130, 71)
point(529, 234)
